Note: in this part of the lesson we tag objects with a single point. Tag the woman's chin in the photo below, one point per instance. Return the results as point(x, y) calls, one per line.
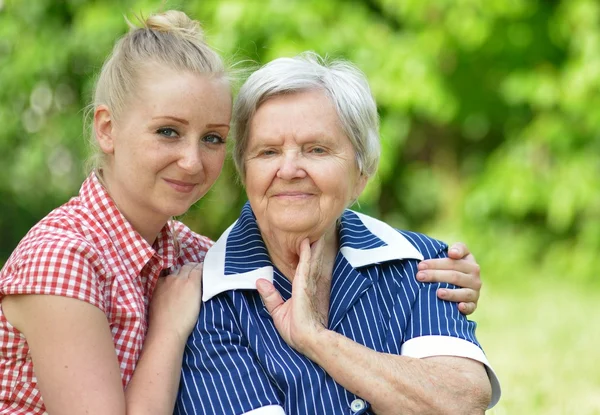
point(178, 210)
point(298, 229)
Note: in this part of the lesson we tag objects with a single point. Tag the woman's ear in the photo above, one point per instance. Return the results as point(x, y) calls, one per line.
point(360, 186)
point(103, 129)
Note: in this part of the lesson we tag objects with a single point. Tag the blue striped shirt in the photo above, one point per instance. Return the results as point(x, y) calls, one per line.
point(235, 362)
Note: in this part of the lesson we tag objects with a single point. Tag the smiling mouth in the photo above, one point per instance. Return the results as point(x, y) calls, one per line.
point(182, 187)
point(293, 195)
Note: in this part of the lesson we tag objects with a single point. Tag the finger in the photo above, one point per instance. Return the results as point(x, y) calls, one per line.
point(317, 246)
point(316, 255)
point(303, 268)
point(458, 250)
point(457, 278)
point(458, 295)
point(269, 295)
point(196, 271)
point(185, 270)
point(458, 272)
point(467, 308)
point(465, 266)
point(304, 245)
point(195, 276)
point(439, 263)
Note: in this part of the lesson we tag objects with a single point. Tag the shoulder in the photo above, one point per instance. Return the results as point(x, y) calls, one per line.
point(371, 235)
point(428, 246)
point(61, 232)
point(56, 260)
point(72, 221)
point(225, 312)
point(52, 248)
point(193, 246)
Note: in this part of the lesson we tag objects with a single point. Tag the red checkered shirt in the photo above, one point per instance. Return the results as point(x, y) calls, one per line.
point(87, 250)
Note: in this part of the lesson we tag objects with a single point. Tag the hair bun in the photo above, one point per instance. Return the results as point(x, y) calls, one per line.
point(174, 21)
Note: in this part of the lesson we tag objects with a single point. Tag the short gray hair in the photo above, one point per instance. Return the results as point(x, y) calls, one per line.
point(342, 82)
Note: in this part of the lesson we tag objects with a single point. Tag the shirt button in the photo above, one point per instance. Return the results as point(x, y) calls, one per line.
point(357, 405)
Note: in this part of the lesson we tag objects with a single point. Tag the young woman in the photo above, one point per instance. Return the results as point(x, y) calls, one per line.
point(87, 324)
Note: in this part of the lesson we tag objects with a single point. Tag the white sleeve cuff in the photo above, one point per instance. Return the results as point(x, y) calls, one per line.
point(428, 346)
point(267, 410)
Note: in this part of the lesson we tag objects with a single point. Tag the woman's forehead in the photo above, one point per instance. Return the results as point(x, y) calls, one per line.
point(293, 118)
point(302, 110)
point(185, 93)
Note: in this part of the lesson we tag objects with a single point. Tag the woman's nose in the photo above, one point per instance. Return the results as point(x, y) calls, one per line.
point(291, 167)
point(190, 159)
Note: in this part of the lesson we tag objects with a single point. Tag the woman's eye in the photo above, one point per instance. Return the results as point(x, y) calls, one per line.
point(317, 150)
point(167, 132)
point(213, 139)
point(268, 152)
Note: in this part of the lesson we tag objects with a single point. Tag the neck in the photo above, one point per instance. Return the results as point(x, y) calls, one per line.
point(284, 249)
point(146, 225)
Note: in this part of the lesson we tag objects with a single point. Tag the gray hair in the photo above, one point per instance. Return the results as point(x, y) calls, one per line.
point(342, 82)
point(170, 38)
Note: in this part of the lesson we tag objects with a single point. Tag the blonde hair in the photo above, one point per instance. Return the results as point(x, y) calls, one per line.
point(170, 38)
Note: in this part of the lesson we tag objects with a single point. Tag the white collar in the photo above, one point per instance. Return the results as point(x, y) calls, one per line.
point(215, 281)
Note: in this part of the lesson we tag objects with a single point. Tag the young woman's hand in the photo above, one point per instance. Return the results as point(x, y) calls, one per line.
point(176, 301)
point(460, 269)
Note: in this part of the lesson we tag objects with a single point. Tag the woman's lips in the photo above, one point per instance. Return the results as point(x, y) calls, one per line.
point(182, 187)
point(293, 195)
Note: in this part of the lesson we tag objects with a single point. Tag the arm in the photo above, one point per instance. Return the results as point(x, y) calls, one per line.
point(460, 269)
point(173, 311)
point(389, 382)
point(72, 352)
point(74, 357)
point(435, 385)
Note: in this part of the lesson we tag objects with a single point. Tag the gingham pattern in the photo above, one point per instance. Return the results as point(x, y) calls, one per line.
point(87, 250)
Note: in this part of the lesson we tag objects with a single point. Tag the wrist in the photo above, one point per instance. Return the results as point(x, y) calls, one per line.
point(166, 334)
point(318, 343)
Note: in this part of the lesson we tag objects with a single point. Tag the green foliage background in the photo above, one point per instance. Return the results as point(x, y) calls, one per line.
point(490, 124)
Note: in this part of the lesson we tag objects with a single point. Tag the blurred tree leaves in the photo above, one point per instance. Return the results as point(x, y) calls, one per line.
point(490, 113)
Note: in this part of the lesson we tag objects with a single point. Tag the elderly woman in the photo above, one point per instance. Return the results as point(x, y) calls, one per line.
point(311, 308)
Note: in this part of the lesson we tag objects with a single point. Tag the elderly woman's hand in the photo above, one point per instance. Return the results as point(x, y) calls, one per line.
point(306, 313)
point(460, 269)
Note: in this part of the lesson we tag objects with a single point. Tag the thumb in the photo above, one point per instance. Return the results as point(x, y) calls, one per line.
point(269, 295)
point(196, 272)
point(458, 251)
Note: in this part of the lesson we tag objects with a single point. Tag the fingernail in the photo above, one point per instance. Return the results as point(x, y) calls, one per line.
point(422, 265)
point(454, 251)
point(442, 292)
point(421, 276)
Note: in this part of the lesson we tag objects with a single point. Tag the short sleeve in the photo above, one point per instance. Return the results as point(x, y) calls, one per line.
point(438, 328)
point(59, 265)
point(193, 245)
point(434, 317)
point(220, 374)
point(431, 316)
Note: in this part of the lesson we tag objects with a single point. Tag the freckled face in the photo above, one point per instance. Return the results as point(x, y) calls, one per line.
point(168, 146)
point(301, 170)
